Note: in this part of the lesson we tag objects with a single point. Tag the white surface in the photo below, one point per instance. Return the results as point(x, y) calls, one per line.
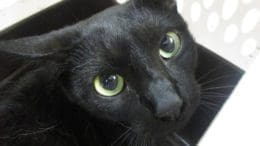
point(238, 123)
point(6, 3)
point(13, 11)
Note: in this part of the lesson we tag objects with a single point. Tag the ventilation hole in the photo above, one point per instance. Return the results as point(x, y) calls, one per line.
point(250, 20)
point(229, 8)
point(231, 33)
point(213, 21)
point(207, 3)
point(195, 11)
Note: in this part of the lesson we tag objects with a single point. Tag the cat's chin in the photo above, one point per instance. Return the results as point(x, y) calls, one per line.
point(159, 139)
point(158, 132)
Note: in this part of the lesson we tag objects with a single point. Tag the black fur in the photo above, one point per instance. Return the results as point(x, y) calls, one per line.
point(47, 96)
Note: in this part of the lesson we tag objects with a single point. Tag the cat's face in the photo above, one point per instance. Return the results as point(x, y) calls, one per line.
point(134, 64)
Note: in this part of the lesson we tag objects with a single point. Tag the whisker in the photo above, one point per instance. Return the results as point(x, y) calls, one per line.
point(220, 87)
point(133, 140)
point(208, 73)
point(143, 142)
point(177, 140)
point(125, 138)
point(7, 79)
point(150, 141)
point(121, 136)
point(5, 137)
point(212, 100)
point(213, 93)
point(213, 97)
point(122, 124)
point(209, 107)
point(215, 79)
point(209, 103)
point(181, 139)
point(204, 109)
point(38, 131)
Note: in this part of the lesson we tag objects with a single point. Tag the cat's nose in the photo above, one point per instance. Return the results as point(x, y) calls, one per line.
point(164, 100)
point(168, 107)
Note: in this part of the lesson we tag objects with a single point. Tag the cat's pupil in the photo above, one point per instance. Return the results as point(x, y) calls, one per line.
point(167, 44)
point(109, 82)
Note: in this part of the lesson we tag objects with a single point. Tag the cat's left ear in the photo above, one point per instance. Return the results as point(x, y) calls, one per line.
point(50, 45)
point(163, 4)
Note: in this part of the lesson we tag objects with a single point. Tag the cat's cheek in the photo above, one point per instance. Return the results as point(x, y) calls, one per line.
point(112, 108)
point(191, 102)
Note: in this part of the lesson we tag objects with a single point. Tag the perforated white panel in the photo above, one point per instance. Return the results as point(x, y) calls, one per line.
point(231, 28)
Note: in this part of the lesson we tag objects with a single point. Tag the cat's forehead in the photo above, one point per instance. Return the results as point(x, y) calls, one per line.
point(125, 31)
point(130, 23)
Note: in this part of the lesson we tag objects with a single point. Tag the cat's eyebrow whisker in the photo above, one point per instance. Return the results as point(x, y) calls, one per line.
point(215, 79)
point(220, 87)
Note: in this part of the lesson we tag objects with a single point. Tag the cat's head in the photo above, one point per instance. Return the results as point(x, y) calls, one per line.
point(131, 64)
point(135, 64)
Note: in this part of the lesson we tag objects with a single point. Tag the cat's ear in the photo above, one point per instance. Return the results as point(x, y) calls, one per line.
point(164, 4)
point(48, 45)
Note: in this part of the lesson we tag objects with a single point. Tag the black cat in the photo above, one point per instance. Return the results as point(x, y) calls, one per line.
point(122, 77)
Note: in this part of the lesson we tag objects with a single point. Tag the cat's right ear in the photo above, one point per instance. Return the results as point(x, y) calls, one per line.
point(48, 45)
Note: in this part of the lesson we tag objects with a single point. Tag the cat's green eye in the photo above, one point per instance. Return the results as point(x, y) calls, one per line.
point(109, 85)
point(170, 45)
